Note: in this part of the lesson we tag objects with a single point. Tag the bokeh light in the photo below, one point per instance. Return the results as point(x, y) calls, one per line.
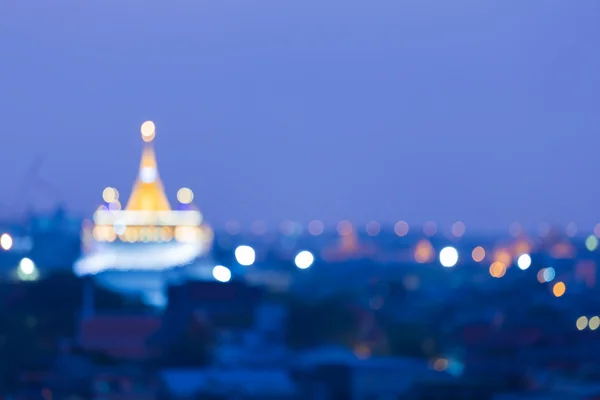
point(315, 227)
point(591, 243)
point(344, 228)
point(26, 266)
point(221, 273)
point(549, 274)
point(458, 229)
point(524, 261)
point(581, 323)
point(401, 228)
point(373, 228)
point(304, 259)
point(6, 242)
point(478, 254)
point(448, 257)
point(497, 269)
point(424, 252)
point(110, 194)
point(185, 195)
point(559, 289)
point(571, 229)
point(594, 323)
point(148, 130)
point(430, 228)
point(245, 255)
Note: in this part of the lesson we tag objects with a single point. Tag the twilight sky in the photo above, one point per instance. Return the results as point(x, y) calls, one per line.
point(481, 110)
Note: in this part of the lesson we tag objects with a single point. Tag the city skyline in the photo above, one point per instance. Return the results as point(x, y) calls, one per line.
point(313, 111)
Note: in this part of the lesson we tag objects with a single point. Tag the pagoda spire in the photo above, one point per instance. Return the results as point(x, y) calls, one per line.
point(148, 193)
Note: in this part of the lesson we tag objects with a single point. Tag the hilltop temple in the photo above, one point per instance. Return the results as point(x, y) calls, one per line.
point(147, 244)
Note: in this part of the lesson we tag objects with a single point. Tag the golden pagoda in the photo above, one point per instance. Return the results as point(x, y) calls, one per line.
point(148, 216)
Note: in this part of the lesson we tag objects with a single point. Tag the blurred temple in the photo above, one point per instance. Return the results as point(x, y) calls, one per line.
point(139, 249)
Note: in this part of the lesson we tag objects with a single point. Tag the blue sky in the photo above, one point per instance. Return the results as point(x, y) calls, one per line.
point(483, 111)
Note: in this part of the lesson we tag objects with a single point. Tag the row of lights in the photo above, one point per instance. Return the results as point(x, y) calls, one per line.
point(582, 322)
point(246, 256)
point(185, 234)
point(110, 195)
point(401, 228)
point(448, 257)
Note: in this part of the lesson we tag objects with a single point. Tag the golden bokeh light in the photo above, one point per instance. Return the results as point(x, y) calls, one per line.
point(497, 269)
point(424, 252)
point(503, 256)
point(478, 254)
point(559, 289)
point(148, 131)
point(185, 195)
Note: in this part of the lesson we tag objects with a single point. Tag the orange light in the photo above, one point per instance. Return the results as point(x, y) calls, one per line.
point(497, 269)
point(559, 289)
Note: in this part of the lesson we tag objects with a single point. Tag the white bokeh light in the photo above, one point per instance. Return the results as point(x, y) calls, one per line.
point(148, 174)
point(524, 261)
point(448, 257)
point(221, 273)
point(26, 266)
point(6, 241)
point(304, 259)
point(245, 255)
point(148, 130)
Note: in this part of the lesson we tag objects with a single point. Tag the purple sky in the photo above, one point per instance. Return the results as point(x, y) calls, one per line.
point(485, 111)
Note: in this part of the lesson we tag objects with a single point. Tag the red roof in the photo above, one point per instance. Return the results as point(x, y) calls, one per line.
point(118, 336)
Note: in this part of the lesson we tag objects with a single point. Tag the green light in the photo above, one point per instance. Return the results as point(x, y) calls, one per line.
point(591, 243)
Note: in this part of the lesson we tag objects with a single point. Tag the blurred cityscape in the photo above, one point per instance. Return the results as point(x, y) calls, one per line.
point(144, 300)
